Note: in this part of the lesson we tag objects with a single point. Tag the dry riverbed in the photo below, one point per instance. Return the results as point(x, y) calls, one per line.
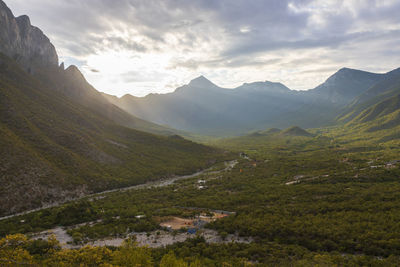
point(153, 239)
point(158, 238)
point(159, 183)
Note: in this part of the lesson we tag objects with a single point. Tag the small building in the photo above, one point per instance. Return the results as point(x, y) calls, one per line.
point(140, 216)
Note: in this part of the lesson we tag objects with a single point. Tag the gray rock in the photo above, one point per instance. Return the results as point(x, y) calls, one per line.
point(25, 43)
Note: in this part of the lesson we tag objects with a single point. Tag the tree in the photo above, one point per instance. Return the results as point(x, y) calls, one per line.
point(129, 254)
point(12, 251)
point(169, 260)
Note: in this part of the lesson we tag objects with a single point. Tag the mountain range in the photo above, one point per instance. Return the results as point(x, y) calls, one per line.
point(205, 108)
point(60, 138)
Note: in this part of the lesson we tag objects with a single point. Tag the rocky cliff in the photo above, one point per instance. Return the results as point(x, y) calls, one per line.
point(25, 43)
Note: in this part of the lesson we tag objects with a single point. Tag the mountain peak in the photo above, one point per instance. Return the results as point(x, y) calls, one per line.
point(73, 72)
point(266, 86)
point(347, 74)
point(25, 43)
point(345, 69)
point(345, 84)
point(201, 81)
point(24, 21)
point(295, 131)
point(349, 71)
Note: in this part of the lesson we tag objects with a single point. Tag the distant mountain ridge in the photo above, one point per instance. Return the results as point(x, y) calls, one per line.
point(346, 84)
point(33, 51)
point(387, 87)
point(291, 131)
point(60, 138)
point(295, 131)
point(205, 108)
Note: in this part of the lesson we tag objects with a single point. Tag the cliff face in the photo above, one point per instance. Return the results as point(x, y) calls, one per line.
point(25, 43)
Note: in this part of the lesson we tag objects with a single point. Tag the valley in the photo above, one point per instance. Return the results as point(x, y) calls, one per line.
point(197, 174)
point(350, 186)
point(159, 183)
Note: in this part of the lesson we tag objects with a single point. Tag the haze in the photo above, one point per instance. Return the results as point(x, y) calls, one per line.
point(142, 47)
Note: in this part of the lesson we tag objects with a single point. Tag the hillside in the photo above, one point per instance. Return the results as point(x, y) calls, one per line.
point(389, 86)
point(204, 176)
point(53, 148)
point(390, 81)
point(205, 108)
point(60, 138)
point(71, 83)
point(295, 131)
point(379, 122)
point(346, 84)
point(34, 53)
point(270, 131)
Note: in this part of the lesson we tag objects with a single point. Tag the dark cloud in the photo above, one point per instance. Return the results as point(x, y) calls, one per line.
point(272, 24)
point(223, 62)
point(228, 34)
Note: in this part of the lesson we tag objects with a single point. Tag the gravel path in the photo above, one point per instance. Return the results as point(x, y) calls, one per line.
point(228, 165)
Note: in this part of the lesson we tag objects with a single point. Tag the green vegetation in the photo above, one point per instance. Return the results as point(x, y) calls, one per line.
point(329, 199)
point(325, 196)
point(293, 197)
point(295, 131)
point(53, 148)
point(316, 197)
point(17, 250)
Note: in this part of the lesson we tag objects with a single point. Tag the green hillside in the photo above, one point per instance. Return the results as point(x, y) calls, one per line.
point(53, 148)
point(378, 117)
point(386, 88)
point(378, 110)
point(295, 131)
point(330, 200)
point(73, 84)
point(267, 132)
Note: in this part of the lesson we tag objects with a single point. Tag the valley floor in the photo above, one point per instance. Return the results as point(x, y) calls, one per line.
point(152, 184)
point(292, 201)
point(154, 239)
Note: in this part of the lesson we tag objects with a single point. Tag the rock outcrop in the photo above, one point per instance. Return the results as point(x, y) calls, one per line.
point(25, 43)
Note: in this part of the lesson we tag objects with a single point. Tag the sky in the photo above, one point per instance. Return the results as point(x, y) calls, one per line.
point(139, 47)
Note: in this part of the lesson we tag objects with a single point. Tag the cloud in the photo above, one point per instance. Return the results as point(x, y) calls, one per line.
point(145, 44)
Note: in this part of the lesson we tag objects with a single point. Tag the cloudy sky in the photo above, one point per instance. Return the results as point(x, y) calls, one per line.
point(147, 46)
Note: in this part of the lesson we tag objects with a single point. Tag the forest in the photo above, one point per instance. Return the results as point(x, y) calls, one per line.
point(303, 201)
